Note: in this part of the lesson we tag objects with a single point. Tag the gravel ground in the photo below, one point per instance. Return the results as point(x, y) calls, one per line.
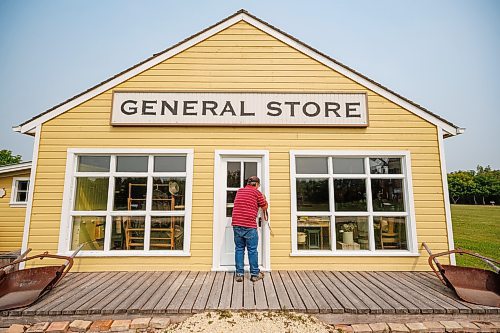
point(252, 322)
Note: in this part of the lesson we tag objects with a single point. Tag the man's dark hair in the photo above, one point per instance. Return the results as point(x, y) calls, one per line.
point(253, 180)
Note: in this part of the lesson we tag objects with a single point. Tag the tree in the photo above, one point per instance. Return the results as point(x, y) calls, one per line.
point(468, 186)
point(461, 184)
point(6, 157)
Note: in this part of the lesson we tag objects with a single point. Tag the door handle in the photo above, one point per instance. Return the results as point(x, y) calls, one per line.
point(260, 222)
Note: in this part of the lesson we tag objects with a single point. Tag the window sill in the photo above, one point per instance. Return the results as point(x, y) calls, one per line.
point(129, 253)
point(18, 204)
point(346, 253)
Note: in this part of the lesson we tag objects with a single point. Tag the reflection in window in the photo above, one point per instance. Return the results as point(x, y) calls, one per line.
point(93, 163)
point(230, 196)
point(348, 165)
point(250, 169)
point(312, 195)
point(168, 193)
point(385, 165)
point(167, 233)
point(234, 174)
point(88, 230)
point(390, 233)
point(127, 233)
point(91, 193)
point(170, 164)
point(130, 193)
point(350, 195)
point(387, 195)
point(352, 232)
point(311, 165)
point(313, 233)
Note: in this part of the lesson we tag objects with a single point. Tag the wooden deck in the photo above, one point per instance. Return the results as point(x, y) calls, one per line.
point(187, 292)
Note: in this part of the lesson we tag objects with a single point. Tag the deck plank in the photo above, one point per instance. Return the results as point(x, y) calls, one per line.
point(147, 280)
point(283, 298)
point(388, 304)
point(202, 298)
point(180, 295)
point(84, 304)
point(260, 295)
point(154, 288)
point(214, 298)
point(333, 305)
point(237, 296)
point(359, 305)
point(345, 302)
point(194, 291)
point(248, 294)
point(321, 304)
point(412, 308)
point(303, 291)
point(297, 303)
point(272, 297)
point(76, 294)
point(123, 294)
point(149, 306)
point(372, 306)
point(227, 290)
point(163, 303)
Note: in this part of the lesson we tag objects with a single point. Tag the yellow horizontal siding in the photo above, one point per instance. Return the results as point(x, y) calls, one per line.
point(11, 218)
point(241, 58)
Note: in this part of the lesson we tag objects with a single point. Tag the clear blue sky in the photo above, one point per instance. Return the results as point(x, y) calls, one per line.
point(443, 55)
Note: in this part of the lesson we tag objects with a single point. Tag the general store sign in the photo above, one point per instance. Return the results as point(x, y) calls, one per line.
point(239, 109)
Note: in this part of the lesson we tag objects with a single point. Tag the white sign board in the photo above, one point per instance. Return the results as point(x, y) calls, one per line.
point(239, 109)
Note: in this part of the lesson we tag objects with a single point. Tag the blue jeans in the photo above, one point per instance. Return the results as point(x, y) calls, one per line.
point(249, 238)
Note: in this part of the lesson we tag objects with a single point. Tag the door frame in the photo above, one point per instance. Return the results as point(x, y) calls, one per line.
point(218, 199)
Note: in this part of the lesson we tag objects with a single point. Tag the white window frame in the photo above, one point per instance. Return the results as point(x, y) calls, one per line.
point(365, 154)
point(69, 194)
point(15, 190)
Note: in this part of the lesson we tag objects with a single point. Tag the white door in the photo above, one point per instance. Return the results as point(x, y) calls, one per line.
point(236, 171)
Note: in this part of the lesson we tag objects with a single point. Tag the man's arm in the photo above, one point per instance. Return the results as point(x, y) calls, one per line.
point(261, 201)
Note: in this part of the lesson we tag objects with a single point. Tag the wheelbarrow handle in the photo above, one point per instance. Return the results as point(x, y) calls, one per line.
point(432, 260)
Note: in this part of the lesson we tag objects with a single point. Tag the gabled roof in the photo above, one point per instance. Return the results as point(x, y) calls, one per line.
point(15, 167)
point(449, 128)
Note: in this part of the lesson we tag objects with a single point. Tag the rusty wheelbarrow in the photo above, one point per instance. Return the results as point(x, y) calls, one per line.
point(473, 285)
point(24, 287)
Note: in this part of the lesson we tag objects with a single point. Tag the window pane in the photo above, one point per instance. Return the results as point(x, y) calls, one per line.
point(350, 195)
point(313, 233)
point(348, 165)
point(170, 164)
point(250, 169)
point(387, 195)
point(91, 193)
point(312, 195)
point(230, 196)
point(89, 230)
point(234, 174)
point(168, 193)
point(390, 233)
point(167, 233)
point(22, 185)
point(381, 165)
point(311, 165)
point(93, 163)
point(127, 233)
point(132, 164)
point(22, 197)
point(130, 193)
point(352, 232)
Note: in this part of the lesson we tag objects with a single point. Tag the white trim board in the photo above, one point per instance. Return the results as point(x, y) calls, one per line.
point(235, 18)
point(15, 167)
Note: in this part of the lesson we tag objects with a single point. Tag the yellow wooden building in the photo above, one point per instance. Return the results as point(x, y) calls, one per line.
point(14, 184)
point(143, 167)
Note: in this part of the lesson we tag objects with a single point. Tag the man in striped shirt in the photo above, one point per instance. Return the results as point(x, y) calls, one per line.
point(246, 207)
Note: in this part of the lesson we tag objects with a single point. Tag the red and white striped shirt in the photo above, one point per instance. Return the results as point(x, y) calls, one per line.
point(246, 206)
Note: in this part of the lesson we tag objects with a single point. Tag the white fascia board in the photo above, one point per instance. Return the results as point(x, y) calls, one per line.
point(221, 26)
point(15, 167)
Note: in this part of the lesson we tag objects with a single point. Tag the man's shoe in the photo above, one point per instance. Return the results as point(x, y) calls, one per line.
point(255, 278)
point(239, 278)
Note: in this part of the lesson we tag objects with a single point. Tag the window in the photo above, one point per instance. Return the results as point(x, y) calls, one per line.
point(351, 204)
point(126, 203)
point(20, 190)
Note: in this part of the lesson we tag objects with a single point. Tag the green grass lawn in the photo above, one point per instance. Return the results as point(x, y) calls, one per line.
point(476, 228)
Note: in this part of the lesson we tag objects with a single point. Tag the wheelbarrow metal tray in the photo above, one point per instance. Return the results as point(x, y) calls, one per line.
point(24, 287)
